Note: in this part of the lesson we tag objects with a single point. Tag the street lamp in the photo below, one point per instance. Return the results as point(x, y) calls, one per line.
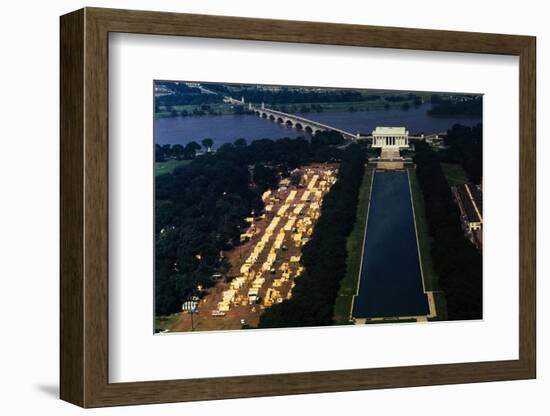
point(191, 306)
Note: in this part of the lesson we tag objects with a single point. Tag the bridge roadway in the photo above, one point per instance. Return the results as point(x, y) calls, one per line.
point(300, 122)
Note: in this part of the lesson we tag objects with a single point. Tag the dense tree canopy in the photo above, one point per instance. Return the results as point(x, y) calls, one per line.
point(207, 143)
point(466, 147)
point(456, 260)
point(328, 137)
point(199, 210)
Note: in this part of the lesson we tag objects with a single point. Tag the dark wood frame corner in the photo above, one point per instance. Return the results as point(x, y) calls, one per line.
point(84, 207)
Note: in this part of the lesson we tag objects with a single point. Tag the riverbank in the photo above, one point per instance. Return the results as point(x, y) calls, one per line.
point(313, 107)
point(201, 110)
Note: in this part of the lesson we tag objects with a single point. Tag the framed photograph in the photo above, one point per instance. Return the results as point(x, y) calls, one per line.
point(256, 207)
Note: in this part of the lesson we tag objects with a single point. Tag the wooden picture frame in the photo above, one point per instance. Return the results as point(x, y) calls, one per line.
point(84, 207)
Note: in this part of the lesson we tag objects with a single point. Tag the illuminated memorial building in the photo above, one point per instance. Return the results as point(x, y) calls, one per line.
point(390, 140)
point(390, 137)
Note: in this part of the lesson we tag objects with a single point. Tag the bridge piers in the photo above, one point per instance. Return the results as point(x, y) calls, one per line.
point(300, 123)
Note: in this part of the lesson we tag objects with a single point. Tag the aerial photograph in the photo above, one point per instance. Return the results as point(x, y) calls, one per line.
point(280, 206)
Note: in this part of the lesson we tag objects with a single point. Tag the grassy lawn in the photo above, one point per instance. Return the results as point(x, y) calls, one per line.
point(354, 248)
point(165, 322)
point(454, 173)
point(390, 321)
point(431, 279)
point(440, 307)
point(162, 168)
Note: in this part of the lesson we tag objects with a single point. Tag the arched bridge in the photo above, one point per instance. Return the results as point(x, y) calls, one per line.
point(299, 123)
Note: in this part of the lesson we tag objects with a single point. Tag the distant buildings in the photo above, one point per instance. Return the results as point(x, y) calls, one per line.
point(469, 200)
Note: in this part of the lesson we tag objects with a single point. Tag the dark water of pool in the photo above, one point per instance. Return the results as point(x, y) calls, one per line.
point(391, 280)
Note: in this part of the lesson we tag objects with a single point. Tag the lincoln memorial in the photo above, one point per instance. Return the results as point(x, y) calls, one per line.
point(393, 137)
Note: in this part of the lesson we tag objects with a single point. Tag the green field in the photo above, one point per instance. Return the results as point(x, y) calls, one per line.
point(162, 168)
point(163, 323)
point(390, 321)
point(440, 306)
point(354, 248)
point(431, 279)
point(454, 173)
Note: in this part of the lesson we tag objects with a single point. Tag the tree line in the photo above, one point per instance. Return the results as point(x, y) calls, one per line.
point(284, 99)
point(465, 146)
point(287, 95)
point(324, 255)
point(397, 98)
point(186, 99)
point(456, 260)
point(180, 152)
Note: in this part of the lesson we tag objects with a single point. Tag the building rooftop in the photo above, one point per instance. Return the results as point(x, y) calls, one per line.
point(477, 196)
point(390, 131)
point(470, 197)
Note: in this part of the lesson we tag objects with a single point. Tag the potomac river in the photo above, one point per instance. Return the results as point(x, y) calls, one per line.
point(227, 128)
